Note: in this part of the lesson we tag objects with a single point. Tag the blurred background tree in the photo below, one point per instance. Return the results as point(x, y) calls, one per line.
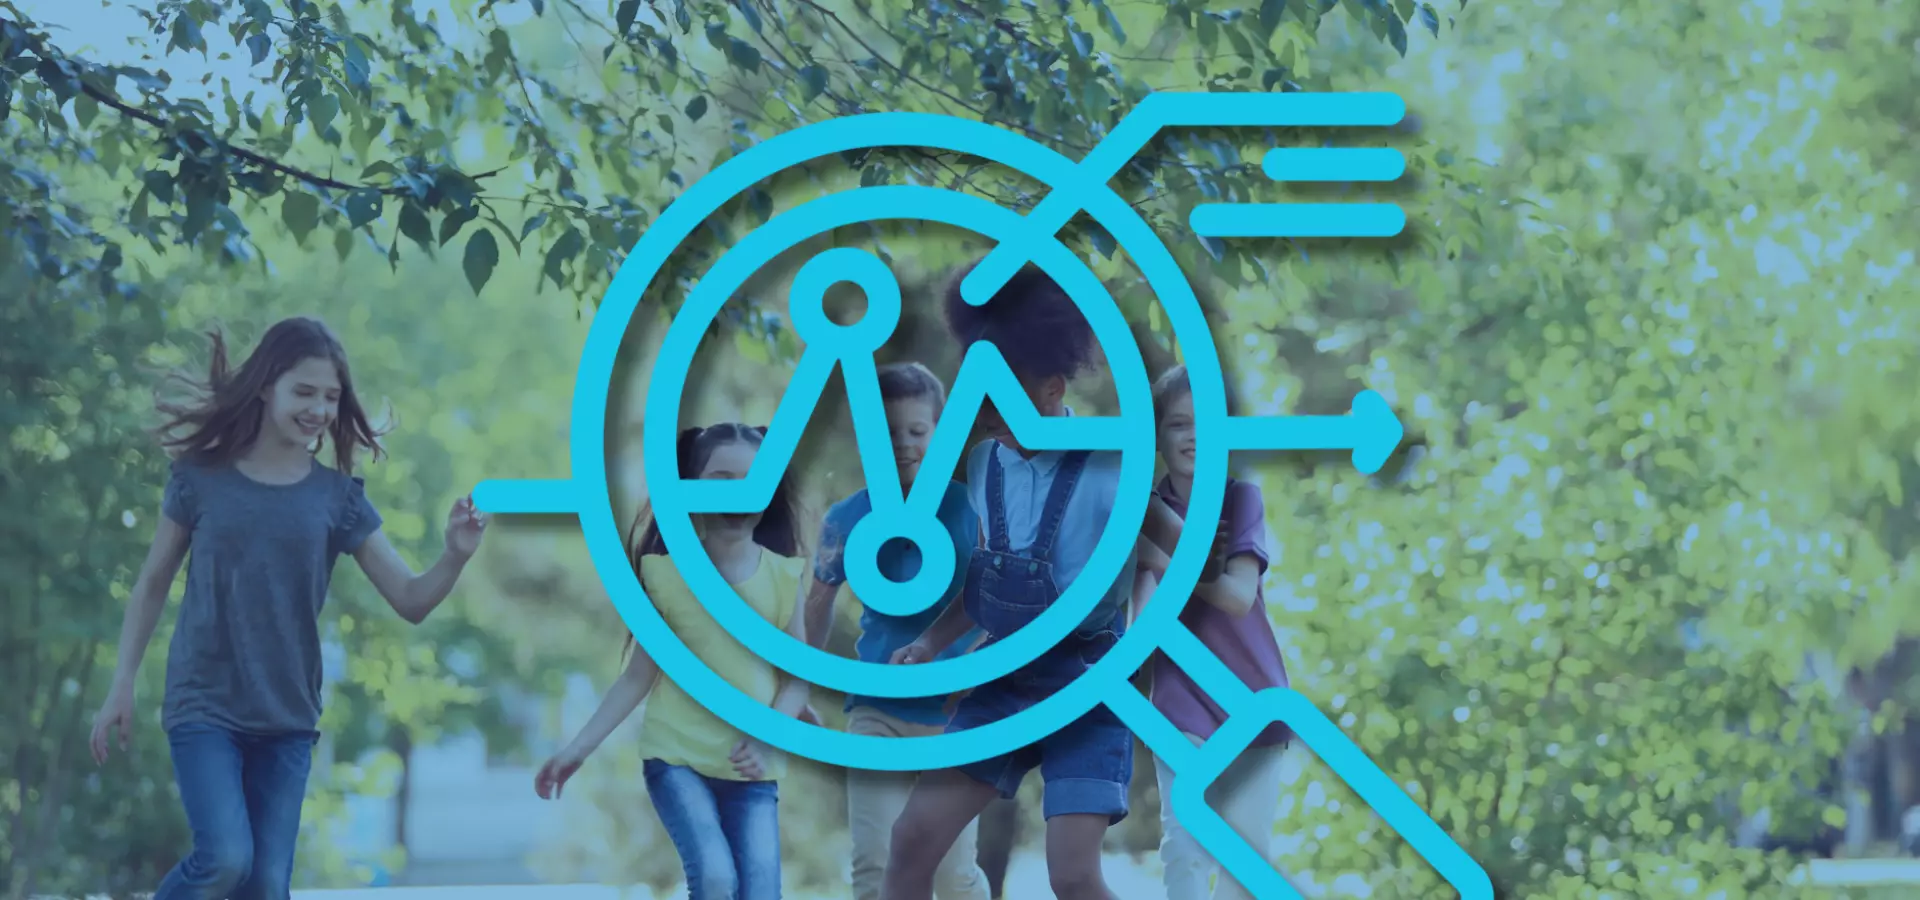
point(1648, 320)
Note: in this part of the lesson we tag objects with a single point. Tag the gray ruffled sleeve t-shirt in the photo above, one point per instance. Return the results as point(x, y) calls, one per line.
point(246, 649)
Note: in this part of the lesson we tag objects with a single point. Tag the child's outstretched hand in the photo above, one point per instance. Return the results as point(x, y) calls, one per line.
point(465, 525)
point(917, 652)
point(553, 776)
point(115, 720)
point(749, 759)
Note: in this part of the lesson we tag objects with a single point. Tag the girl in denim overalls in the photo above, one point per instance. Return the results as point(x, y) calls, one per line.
point(1041, 515)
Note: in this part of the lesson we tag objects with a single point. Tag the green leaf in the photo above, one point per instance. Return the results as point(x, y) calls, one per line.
point(1111, 22)
point(481, 256)
point(749, 13)
point(321, 110)
point(532, 225)
point(1242, 45)
point(359, 71)
point(300, 212)
point(415, 225)
point(85, 108)
point(1397, 35)
point(624, 16)
point(567, 247)
point(813, 80)
point(1430, 18)
point(697, 107)
point(200, 205)
point(185, 34)
point(159, 184)
point(744, 55)
point(258, 46)
point(363, 206)
point(1103, 242)
point(1270, 13)
point(455, 221)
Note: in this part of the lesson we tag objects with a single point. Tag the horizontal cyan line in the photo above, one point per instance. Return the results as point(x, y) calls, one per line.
point(528, 496)
point(1297, 220)
point(1334, 164)
point(1230, 109)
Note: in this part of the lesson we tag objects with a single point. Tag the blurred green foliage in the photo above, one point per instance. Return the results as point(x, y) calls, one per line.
point(1651, 322)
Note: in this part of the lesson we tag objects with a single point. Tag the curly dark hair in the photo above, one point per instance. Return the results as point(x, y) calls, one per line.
point(1031, 321)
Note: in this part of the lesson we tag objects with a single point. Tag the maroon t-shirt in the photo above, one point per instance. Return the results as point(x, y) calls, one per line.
point(1244, 642)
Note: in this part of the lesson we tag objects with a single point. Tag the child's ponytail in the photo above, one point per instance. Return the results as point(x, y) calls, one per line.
point(643, 537)
point(779, 528)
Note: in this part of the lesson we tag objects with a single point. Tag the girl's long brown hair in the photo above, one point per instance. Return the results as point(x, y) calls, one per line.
point(779, 527)
point(220, 415)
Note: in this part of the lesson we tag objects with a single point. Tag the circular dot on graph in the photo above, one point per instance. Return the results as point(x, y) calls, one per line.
point(918, 592)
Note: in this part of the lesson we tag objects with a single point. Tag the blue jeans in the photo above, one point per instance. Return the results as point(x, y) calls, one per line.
point(727, 832)
point(242, 795)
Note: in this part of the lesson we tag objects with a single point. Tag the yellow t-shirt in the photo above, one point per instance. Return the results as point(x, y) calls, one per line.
point(673, 728)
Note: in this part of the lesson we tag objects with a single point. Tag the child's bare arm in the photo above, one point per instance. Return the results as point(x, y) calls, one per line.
point(817, 610)
point(793, 695)
point(1163, 525)
point(951, 626)
point(1236, 588)
point(632, 687)
point(1153, 560)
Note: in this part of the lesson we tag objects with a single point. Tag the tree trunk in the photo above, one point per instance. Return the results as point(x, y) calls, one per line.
point(1855, 792)
point(400, 741)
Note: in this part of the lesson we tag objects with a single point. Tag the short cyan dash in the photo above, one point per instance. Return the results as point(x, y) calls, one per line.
point(529, 497)
point(1297, 220)
point(1334, 164)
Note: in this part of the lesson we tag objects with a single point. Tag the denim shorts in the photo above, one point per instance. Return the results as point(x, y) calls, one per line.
point(1087, 765)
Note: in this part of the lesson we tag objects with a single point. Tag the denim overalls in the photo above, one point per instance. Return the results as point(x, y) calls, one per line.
point(1088, 763)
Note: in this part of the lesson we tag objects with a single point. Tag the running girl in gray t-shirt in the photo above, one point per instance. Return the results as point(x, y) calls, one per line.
point(259, 522)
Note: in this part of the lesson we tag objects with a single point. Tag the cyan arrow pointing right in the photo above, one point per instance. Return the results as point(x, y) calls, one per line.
point(1372, 431)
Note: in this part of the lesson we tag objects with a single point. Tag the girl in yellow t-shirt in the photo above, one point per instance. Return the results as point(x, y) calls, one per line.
point(714, 787)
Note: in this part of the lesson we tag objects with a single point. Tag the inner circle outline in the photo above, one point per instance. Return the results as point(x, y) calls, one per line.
point(593, 387)
point(768, 640)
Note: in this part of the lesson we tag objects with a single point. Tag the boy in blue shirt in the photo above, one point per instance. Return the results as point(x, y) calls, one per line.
point(913, 397)
point(1041, 514)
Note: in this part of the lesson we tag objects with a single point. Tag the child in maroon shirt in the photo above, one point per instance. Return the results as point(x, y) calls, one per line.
point(1229, 615)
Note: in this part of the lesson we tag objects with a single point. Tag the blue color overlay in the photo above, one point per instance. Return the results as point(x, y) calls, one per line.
point(1370, 433)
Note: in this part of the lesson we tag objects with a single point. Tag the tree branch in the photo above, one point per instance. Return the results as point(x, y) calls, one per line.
point(56, 57)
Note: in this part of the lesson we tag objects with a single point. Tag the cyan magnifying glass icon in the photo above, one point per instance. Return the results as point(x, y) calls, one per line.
point(1371, 433)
